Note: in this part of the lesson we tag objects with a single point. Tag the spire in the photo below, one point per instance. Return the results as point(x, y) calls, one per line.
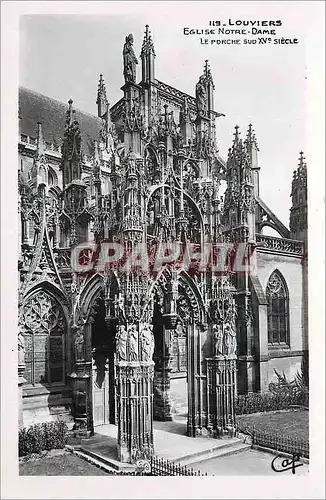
point(208, 74)
point(302, 167)
point(236, 140)
point(298, 211)
point(39, 169)
point(299, 181)
point(251, 139)
point(148, 46)
point(252, 149)
point(147, 56)
point(101, 101)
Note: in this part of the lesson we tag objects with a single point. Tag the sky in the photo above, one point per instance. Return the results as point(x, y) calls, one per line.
point(62, 56)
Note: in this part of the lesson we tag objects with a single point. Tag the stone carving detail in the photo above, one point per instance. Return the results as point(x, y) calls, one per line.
point(133, 343)
point(275, 287)
point(230, 341)
point(147, 342)
point(121, 343)
point(79, 344)
point(280, 244)
point(201, 96)
point(129, 60)
point(218, 340)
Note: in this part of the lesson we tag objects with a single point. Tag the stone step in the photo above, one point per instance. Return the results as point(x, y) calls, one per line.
point(229, 448)
point(110, 463)
point(92, 460)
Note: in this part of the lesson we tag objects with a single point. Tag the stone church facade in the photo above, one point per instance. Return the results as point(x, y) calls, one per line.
point(100, 340)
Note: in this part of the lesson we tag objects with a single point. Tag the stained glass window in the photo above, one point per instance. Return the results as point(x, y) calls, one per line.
point(277, 310)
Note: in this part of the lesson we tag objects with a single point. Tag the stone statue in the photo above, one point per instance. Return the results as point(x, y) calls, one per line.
point(129, 60)
point(79, 345)
point(201, 96)
point(230, 341)
point(147, 342)
point(218, 340)
point(121, 343)
point(133, 343)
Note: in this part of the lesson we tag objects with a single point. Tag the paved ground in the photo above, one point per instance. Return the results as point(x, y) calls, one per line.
point(246, 463)
point(170, 441)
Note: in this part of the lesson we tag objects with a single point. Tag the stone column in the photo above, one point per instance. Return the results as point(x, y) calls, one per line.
point(162, 380)
point(135, 372)
point(222, 391)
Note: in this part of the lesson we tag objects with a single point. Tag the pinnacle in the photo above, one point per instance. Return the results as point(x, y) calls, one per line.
point(236, 134)
point(251, 139)
point(69, 113)
point(301, 158)
point(147, 46)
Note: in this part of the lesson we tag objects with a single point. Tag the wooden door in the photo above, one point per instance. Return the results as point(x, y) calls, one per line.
point(100, 389)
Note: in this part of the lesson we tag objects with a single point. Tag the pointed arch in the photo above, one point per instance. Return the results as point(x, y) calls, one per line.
point(90, 293)
point(277, 296)
point(43, 326)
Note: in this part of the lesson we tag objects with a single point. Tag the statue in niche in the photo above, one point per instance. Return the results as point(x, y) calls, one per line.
point(230, 341)
point(147, 342)
point(129, 60)
point(218, 340)
point(121, 343)
point(201, 97)
point(79, 344)
point(133, 343)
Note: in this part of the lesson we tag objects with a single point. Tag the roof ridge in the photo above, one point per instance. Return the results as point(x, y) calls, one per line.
point(21, 87)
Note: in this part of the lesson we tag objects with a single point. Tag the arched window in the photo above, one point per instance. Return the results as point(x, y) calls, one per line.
point(43, 327)
point(277, 310)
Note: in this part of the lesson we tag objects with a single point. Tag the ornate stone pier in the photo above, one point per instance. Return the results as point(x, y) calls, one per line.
point(135, 373)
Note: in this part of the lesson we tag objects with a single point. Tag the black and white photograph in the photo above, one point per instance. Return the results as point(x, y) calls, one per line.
point(162, 293)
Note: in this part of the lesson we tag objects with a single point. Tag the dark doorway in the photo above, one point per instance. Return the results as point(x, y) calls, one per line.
point(103, 371)
point(170, 377)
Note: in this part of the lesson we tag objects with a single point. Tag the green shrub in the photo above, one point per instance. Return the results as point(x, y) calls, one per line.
point(40, 437)
point(255, 402)
point(283, 394)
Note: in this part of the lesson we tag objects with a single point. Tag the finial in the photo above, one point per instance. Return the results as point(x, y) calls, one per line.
point(302, 165)
point(69, 113)
point(147, 46)
point(251, 139)
point(101, 100)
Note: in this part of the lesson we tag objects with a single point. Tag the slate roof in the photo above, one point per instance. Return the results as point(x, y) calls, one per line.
point(35, 107)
